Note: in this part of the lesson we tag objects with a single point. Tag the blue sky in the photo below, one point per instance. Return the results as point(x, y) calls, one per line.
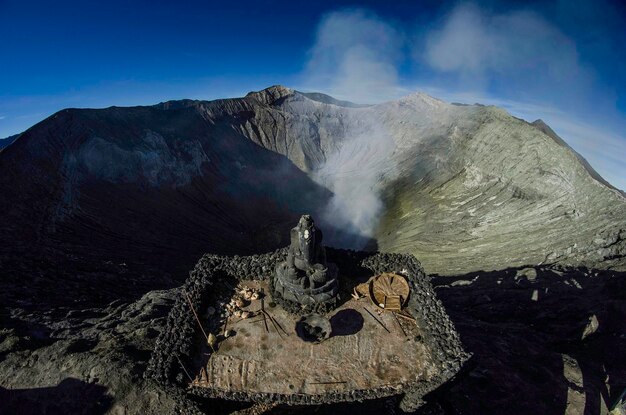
point(562, 61)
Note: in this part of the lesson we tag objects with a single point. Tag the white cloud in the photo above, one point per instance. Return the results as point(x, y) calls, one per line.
point(518, 51)
point(355, 56)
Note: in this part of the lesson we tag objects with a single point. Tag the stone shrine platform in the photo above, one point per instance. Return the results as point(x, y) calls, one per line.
point(366, 350)
point(258, 365)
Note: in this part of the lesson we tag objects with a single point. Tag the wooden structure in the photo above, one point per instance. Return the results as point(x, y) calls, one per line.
point(389, 291)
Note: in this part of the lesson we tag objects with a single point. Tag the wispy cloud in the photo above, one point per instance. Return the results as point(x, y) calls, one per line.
point(519, 61)
point(356, 55)
point(519, 45)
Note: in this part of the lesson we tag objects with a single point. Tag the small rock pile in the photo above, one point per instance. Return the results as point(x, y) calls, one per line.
point(243, 298)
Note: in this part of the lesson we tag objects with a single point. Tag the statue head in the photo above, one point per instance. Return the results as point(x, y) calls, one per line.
point(306, 227)
point(306, 239)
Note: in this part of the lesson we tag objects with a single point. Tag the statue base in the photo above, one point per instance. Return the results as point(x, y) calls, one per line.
point(298, 291)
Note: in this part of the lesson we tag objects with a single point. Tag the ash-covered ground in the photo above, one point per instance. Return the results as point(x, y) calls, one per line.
point(544, 340)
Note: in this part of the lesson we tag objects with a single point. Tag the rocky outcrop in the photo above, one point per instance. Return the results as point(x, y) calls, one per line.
point(528, 330)
point(88, 362)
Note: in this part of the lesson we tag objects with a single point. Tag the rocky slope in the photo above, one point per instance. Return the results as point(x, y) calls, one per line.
point(507, 194)
point(83, 362)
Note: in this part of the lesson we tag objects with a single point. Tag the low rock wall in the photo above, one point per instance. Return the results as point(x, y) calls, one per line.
point(177, 345)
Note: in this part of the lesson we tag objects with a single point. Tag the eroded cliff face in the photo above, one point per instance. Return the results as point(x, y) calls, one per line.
point(507, 194)
point(462, 187)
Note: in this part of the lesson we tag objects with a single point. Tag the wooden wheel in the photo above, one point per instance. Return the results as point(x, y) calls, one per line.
point(389, 291)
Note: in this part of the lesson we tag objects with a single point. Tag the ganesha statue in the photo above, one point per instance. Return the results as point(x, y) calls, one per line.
point(305, 277)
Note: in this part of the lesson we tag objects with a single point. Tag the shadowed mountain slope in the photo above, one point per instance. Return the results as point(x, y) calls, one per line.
point(161, 184)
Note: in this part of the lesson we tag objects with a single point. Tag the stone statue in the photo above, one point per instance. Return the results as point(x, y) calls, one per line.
point(305, 277)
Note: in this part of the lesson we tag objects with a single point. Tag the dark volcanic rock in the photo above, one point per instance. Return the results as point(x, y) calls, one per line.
point(90, 361)
point(523, 326)
point(530, 351)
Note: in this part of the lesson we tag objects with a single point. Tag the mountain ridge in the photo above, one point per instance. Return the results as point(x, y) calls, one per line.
point(415, 160)
point(5, 142)
point(545, 128)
